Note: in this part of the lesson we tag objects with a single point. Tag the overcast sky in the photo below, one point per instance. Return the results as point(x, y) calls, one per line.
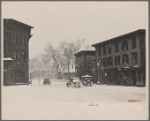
point(69, 21)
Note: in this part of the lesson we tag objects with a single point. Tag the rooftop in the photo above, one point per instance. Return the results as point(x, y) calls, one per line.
point(84, 51)
point(18, 22)
point(139, 30)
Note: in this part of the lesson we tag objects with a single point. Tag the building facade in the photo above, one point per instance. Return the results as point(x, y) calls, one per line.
point(16, 52)
point(86, 64)
point(121, 60)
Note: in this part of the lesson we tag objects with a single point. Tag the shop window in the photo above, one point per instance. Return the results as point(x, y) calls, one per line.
point(125, 59)
point(117, 60)
point(133, 43)
point(134, 58)
point(125, 45)
point(110, 61)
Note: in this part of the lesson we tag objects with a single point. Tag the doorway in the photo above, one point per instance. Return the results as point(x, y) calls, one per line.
point(133, 76)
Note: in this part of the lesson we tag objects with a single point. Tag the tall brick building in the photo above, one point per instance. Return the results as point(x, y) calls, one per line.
point(121, 60)
point(86, 64)
point(16, 52)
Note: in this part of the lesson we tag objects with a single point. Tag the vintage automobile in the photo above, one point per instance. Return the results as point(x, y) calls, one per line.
point(87, 80)
point(75, 81)
point(46, 82)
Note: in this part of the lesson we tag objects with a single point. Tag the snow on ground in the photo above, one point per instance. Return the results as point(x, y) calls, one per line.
point(56, 101)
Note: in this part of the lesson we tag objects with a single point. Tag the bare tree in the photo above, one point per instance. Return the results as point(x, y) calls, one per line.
point(55, 57)
point(68, 49)
point(62, 56)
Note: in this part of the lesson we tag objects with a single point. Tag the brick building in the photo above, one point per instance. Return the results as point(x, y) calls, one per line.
point(86, 64)
point(121, 60)
point(16, 54)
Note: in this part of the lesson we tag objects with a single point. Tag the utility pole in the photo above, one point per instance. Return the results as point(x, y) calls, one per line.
point(98, 70)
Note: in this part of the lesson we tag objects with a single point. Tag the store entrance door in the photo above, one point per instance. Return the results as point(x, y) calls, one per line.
point(133, 75)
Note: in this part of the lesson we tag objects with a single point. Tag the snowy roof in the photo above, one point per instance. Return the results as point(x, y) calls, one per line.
point(7, 58)
point(80, 51)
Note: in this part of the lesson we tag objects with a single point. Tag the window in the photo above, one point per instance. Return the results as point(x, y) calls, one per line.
point(23, 55)
point(6, 53)
point(110, 61)
point(137, 38)
point(116, 47)
point(125, 45)
point(19, 55)
point(104, 62)
point(109, 49)
point(125, 59)
point(100, 62)
point(99, 51)
point(23, 40)
point(15, 54)
point(104, 49)
point(16, 39)
point(134, 58)
point(117, 60)
point(19, 40)
point(133, 43)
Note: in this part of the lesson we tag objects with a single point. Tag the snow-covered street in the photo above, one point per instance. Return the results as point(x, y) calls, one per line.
point(56, 101)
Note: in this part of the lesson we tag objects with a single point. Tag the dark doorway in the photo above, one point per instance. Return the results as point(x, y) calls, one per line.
point(133, 75)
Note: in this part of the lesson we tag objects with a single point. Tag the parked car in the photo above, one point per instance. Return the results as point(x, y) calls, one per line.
point(87, 80)
point(75, 81)
point(46, 82)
